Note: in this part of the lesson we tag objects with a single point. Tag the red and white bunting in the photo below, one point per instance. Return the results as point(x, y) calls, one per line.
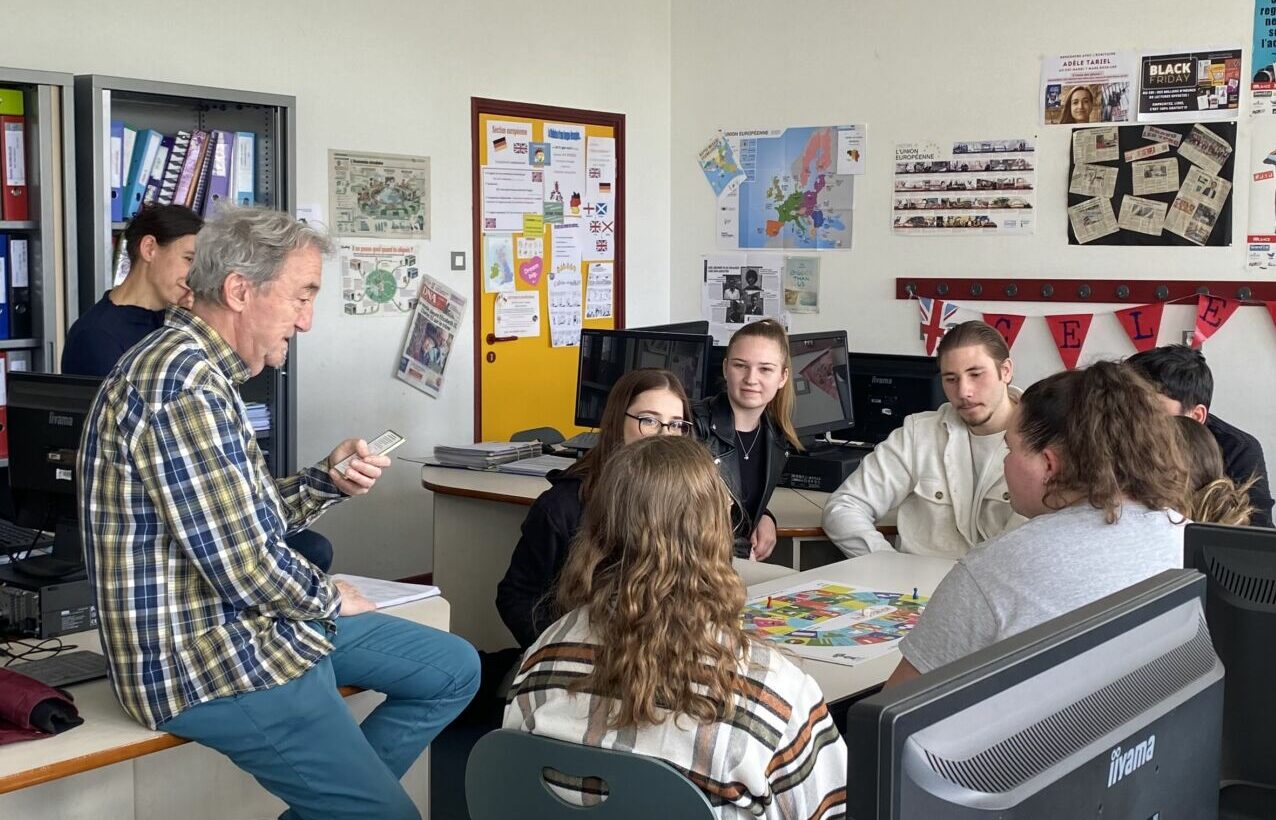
point(1212, 312)
point(1007, 324)
point(1069, 331)
point(1142, 324)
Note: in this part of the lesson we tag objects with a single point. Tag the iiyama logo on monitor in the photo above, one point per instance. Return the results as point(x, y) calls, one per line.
point(1124, 763)
point(60, 420)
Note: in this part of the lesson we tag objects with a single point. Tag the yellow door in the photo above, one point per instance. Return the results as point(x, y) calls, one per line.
point(525, 383)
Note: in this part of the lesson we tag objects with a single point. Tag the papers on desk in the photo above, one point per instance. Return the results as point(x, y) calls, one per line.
point(826, 621)
point(486, 453)
point(538, 466)
point(388, 593)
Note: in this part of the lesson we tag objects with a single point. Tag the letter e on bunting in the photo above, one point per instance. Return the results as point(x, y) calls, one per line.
point(1007, 324)
point(935, 315)
point(1142, 323)
point(1069, 332)
point(1212, 312)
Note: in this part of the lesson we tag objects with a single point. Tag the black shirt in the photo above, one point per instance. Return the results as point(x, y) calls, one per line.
point(1243, 458)
point(752, 469)
point(101, 337)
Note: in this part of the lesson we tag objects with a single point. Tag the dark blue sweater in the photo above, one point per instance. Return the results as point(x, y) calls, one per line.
point(100, 338)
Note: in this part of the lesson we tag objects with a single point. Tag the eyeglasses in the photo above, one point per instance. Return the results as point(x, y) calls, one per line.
point(650, 425)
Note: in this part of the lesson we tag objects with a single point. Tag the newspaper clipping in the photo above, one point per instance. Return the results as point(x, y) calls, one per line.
point(1142, 215)
point(1191, 86)
point(738, 289)
point(1093, 180)
point(1155, 176)
point(1205, 148)
point(1095, 145)
point(435, 322)
point(1092, 219)
point(1195, 210)
point(379, 195)
point(378, 279)
point(1087, 88)
point(974, 187)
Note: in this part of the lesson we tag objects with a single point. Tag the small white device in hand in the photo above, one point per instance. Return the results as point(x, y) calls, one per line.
point(380, 445)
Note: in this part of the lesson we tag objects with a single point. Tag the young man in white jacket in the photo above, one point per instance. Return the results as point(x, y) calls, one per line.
point(942, 469)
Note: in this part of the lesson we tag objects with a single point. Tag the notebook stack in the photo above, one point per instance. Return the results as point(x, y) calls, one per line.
point(486, 454)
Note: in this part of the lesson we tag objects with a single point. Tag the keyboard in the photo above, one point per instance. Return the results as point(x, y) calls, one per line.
point(581, 441)
point(64, 669)
point(14, 538)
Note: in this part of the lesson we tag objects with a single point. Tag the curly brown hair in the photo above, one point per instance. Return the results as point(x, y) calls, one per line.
point(1213, 497)
point(652, 565)
point(1114, 440)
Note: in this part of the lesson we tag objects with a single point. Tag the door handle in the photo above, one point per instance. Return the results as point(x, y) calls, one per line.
point(492, 338)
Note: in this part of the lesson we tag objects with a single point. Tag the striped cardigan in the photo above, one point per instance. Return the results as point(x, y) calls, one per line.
point(779, 757)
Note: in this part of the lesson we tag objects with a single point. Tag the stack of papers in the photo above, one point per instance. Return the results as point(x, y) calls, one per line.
point(539, 466)
point(388, 593)
point(258, 417)
point(486, 453)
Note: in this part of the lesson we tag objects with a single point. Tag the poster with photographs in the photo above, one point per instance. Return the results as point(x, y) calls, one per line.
point(1167, 184)
point(1203, 86)
point(1080, 89)
point(379, 195)
point(740, 288)
point(968, 188)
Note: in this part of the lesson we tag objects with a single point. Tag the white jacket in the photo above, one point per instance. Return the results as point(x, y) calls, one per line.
point(924, 471)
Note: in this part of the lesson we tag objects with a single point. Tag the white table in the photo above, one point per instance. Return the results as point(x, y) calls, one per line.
point(113, 767)
point(888, 571)
point(478, 518)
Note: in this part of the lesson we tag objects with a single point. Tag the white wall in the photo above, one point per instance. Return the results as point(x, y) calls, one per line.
point(394, 76)
point(917, 69)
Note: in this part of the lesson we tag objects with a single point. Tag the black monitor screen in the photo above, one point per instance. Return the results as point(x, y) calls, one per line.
point(885, 389)
point(46, 419)
point(606, 355)
point(821, 382)
point(1111, 710)
point(1240, 605)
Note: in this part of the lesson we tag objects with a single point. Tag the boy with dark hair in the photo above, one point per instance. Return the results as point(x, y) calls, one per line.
point(1186, 386)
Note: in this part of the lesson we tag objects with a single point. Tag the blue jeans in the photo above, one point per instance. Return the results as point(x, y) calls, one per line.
point(300, 741)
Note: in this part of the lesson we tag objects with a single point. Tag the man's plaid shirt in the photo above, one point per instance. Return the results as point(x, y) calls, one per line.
point(183, 525)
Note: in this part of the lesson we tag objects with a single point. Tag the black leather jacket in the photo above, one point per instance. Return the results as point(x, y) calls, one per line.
point(715, 426)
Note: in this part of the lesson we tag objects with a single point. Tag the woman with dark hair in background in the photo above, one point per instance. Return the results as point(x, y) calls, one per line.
point(1100, 470)
point(644, 402)
point(160, 243)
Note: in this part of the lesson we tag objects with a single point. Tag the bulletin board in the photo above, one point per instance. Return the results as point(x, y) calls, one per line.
point(1194, 183)
point(523, 382)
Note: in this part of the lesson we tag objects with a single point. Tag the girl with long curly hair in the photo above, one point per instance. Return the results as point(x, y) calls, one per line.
point(651, 657)
point(1100, 470)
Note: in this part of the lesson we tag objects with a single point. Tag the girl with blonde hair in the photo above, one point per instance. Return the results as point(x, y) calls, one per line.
point(651, 657)
point(1213, 498)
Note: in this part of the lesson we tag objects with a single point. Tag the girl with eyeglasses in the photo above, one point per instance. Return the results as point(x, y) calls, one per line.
point(749, 428)
point(642, 403)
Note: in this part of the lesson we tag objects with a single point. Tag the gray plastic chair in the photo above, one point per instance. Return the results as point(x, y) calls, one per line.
point(545, 435)
point(504, 779)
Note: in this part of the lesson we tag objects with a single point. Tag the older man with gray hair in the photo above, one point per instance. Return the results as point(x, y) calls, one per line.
point(214, 630)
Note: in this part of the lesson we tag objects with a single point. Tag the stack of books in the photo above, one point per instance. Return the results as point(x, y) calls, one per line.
point(486, 454)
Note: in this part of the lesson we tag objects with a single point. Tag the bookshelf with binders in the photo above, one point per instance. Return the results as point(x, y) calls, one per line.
point(37, 222)
point(141, 141)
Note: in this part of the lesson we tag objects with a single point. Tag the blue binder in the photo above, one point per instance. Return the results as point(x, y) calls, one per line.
point(118, 162)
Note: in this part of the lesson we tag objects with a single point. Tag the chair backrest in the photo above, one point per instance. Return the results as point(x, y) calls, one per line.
point(505, 778)
point(545, 435)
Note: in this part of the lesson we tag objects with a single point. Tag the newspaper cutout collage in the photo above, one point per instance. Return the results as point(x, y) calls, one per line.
point(431, 336)
point(1199, 195)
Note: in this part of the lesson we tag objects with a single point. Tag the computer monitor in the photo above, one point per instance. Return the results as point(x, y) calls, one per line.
point(821, 382)
point(1240, 606)
point(606, 355)
point(699, 327)
point(46, 419)
point(886, 388)
point(1111, 711)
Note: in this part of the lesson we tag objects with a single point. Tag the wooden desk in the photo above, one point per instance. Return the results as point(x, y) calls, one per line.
point(889, 571)
point(478, 518)
point(108, 767)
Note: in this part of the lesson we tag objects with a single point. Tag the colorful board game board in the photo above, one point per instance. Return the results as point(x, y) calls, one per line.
point(833, 622)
